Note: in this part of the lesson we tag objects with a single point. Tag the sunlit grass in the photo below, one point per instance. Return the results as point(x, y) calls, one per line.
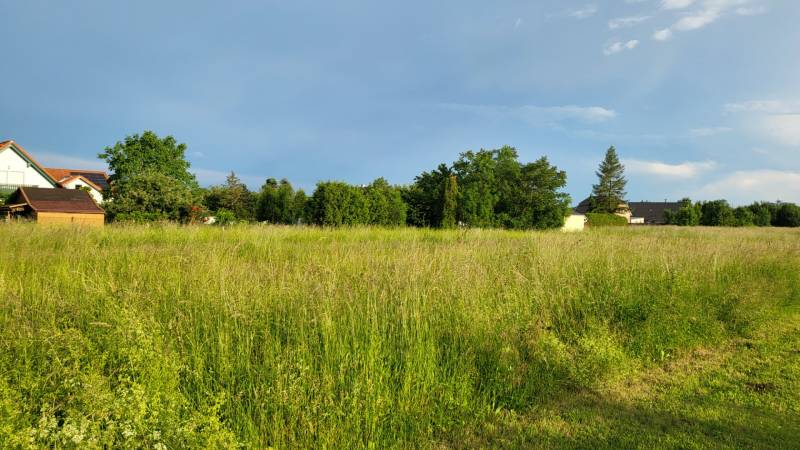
point(305, 337)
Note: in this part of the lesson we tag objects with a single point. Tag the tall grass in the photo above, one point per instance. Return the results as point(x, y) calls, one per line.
point(170, 337)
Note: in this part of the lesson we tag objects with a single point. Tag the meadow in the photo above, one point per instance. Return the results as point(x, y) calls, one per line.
point(286, 337)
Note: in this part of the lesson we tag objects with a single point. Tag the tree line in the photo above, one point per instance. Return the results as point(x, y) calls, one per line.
point(150, 180)
point(720, 213)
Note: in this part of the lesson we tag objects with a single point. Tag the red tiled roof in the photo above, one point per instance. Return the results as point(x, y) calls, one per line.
point(98, 178)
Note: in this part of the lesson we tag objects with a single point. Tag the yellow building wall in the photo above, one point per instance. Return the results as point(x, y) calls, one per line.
point(97, 220)
point(575, 222)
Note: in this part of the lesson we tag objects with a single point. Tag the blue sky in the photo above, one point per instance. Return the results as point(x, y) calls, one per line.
point(700, 97)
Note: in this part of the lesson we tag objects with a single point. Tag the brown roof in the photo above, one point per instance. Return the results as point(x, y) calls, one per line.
point(56, 200)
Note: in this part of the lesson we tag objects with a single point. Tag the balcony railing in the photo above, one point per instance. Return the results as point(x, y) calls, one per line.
point(4, 187)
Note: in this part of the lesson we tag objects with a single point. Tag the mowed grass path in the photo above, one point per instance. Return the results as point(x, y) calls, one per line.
point(183, 337)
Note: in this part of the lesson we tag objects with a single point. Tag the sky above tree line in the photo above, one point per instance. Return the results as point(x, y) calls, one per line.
point(700, 97)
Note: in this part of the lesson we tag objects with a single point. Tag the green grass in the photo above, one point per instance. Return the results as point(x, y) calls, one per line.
point(171, 337)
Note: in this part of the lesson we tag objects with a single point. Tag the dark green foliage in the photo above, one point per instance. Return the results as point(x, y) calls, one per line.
point(477, 187)
point(147, 153)
point(150, 180)
point(717, 213)
point(424, 197)
point(531, 197)
point(687, 216)
point(787, 215)
point(279, 203)
point(762, 214)
point(493, 189)
point(609, 192)
point(152, 196)
point(234, 197)
point(449, 202)
point(744, 217)
point(335, 203)
point(386, 206)
point(605, 220)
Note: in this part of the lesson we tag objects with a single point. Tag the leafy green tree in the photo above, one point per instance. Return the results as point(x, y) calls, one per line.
point(492, 189)
point(386, 206)
point(688, 215)
point(335, 203)
point(267, 205)
point(279, 203)
point(449, 202)
point(788, 215)
point(238, 199)
point(152, 196)
point(147, 153)
point(477, 187)
point(300, 207)
point(609, 192)
point(717, 213)
point(762, 214)
point(536, 199)
point(743, 217)
point(424, 197)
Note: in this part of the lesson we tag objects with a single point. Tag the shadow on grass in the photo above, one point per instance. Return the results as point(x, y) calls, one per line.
point(589, 421)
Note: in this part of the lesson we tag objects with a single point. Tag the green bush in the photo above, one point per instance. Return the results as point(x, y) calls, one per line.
point(606, 220)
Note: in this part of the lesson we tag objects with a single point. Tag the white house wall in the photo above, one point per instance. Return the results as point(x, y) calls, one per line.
point(16, 171)
point(74, 184)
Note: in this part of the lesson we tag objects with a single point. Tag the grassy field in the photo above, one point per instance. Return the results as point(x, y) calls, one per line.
point(170, 337)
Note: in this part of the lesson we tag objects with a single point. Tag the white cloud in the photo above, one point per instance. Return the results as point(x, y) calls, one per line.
point(783, 128)
point(538, 115)
point(676, 4)
point(709, 131)
point(583, 13)
point(709, 12)
point(777, 120)
point(617, 47)
point(662, 35)
point(763, 106)
point(684, 170)
point(747, 186)
point(697, 20)
point(625, 22)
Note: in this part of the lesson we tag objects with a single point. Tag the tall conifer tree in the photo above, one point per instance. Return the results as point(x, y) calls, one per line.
point(609, 192)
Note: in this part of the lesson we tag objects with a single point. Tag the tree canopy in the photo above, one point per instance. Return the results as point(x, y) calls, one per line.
point(147, 153)
point(490, 188)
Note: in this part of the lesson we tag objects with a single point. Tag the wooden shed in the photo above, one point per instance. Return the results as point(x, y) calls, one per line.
point(54, 206)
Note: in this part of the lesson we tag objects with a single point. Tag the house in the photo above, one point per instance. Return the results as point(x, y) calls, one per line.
point(54, 206)
point(92, 181)
point(18, 168)
point(637, 213)
point(652, 213)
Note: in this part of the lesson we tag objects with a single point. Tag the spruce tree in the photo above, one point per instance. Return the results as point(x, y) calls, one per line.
point(449, 202)
point(609, 192)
